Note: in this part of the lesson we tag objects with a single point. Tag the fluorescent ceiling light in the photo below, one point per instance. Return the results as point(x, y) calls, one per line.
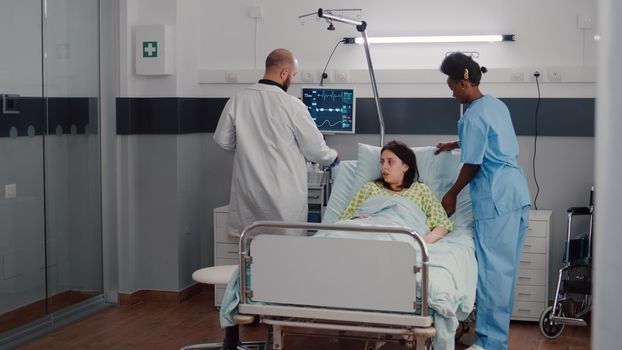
point(437, 39)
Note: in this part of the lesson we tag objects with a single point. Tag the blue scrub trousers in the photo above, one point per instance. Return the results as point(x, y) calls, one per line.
point(498, 248)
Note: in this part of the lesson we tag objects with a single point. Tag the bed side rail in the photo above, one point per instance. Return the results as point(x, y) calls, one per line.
point(250, 232)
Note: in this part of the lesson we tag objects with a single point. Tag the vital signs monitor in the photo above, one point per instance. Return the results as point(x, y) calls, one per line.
point(331, 108)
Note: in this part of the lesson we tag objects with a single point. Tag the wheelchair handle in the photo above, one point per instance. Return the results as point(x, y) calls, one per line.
point(579, 211)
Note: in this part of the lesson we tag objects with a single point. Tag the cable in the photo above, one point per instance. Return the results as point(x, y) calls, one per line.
point(324, 75)
point(256, 30)
point(535, 142)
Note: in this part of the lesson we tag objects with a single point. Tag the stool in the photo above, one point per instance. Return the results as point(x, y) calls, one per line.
point(221, 275)
point(215, 274)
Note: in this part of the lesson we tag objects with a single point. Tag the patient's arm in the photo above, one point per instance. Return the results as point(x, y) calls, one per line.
point(436, 234)
point(436, 215)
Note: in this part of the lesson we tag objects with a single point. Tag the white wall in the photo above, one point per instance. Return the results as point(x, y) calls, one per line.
point(607, 262)
point(547, 33)
point(215, 37)
point(221, 36)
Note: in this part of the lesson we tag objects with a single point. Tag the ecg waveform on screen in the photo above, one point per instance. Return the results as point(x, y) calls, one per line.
point(330, 124)
point(330, 109)
point(332, 94)
point(337, 110)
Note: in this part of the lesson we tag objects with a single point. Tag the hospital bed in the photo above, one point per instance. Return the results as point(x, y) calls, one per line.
point(387, 287)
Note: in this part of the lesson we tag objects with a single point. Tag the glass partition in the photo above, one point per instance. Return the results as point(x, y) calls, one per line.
point(50, 197)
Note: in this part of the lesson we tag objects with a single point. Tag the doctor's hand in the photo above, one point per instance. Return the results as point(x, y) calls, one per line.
point(445, 147)
point(335, 162)
point(449, 203)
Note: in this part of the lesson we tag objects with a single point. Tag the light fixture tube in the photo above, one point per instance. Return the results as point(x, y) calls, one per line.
point(437, 39)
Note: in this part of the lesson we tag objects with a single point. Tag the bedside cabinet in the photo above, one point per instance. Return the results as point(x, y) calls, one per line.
point(532, 282)
point(225, 248)
point(315, 200)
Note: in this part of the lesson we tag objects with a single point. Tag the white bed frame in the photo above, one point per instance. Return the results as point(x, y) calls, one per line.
point(358, 286)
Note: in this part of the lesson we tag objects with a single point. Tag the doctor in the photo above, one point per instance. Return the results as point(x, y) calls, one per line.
point(499, 194)
point(271, 134)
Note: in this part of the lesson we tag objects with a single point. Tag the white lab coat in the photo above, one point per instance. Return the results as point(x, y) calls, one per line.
point(271, 134)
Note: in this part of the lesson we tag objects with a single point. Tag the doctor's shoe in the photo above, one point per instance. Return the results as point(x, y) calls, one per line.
point(475, 347)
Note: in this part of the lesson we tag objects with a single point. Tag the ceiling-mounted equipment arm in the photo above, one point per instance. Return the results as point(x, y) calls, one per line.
point(361, 26)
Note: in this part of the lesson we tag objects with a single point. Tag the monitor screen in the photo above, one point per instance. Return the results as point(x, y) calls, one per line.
point(331, 108)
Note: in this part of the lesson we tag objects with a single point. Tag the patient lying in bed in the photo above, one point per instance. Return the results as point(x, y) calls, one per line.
point(400, 179)
point(453, 269)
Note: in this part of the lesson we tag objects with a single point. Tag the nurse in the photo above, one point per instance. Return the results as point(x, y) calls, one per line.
point(501, 201)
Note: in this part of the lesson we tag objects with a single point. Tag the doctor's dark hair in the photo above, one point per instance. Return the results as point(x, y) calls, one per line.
point(406, 155)
point(459, 66)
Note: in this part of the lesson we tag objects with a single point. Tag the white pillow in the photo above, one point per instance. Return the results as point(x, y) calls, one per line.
point(439, 172)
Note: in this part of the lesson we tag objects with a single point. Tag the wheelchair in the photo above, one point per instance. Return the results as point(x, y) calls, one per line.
point(573, 298)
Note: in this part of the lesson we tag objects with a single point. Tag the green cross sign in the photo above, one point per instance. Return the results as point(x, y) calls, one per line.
point(150, 49)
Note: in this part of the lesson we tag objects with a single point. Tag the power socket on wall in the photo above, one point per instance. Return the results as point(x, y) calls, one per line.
point(255, 11)
point(10, 191)
point(308, 76)
point(342, 76)
point(554, 76)
point(517, 76)
point(535, 72)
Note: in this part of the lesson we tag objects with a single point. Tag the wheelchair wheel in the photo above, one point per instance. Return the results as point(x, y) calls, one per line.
point(549, 328)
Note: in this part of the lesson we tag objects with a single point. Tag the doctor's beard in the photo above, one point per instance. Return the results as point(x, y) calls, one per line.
point(287, 83)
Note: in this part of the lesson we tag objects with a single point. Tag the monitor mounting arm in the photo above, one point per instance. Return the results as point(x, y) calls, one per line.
point(361, 26)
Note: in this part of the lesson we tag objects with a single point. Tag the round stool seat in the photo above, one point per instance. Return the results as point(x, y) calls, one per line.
point(214, 274)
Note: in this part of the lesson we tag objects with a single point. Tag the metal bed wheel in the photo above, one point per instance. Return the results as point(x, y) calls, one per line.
point(549, 328)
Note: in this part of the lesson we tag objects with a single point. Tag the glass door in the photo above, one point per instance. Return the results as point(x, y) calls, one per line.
point(22, 202)
point(50, 196)
point(72, 174)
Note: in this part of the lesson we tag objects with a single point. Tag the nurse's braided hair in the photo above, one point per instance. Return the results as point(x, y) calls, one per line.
point(459, 66)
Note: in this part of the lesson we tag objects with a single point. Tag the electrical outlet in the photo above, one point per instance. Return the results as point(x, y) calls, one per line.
point(533, 73)
point(231, 77)
point(517, 76)
point(342, 76)
point(10, 191)
point(554, 76)
point(307, 76)
point(584, 22)
point(255, 11)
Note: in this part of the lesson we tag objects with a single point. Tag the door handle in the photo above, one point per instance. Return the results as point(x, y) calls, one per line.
point(10, 104)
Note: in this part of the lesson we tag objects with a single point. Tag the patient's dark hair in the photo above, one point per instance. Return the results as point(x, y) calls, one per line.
point(406, 155)
point(459, 66)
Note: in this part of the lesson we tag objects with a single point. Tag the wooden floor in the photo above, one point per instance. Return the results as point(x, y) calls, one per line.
point(154, 325)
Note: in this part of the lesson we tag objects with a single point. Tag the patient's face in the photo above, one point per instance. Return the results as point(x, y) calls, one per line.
point(393, 168)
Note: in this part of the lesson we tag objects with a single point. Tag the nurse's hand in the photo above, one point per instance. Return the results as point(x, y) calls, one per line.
point(449, 203)
point(445, 147)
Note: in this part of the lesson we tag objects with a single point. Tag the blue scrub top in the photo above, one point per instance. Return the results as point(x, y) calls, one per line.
point(486, 136)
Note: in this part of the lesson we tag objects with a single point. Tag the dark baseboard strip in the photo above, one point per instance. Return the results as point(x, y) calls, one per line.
point(160, 296)
point(40, 308)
